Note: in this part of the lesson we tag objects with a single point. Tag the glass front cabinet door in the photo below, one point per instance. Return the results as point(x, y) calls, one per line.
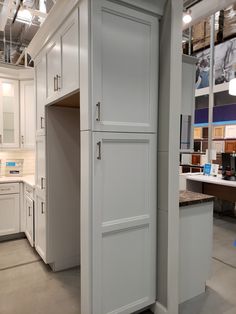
point(9, 113)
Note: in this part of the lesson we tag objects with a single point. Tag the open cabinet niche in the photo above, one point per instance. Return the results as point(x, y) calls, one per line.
point(63, 181)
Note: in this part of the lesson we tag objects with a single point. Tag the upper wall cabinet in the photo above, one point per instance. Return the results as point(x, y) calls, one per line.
point(62, 60)
point(27, 116)
point(9, 113)
point(124, 69)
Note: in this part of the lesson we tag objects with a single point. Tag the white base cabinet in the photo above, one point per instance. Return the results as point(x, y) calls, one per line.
point(9, 209)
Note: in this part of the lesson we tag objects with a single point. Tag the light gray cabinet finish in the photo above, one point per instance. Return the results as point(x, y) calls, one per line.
point(124, 69)
point(124, 222)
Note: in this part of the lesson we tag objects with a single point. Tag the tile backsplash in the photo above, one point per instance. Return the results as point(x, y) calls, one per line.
point(27, 155)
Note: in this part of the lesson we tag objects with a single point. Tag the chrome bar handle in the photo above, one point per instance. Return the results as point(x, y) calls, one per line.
point(41, 122)
point(29, 211)
point(99, 152)
point(55, 83)
point(42, 208)
point(42, 185)
point(98, 110)
point(22, 140)
point(58, 82)
point(0, 138)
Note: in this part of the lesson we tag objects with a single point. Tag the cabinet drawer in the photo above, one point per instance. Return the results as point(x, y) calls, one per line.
point(9, 188)
point(29, 191)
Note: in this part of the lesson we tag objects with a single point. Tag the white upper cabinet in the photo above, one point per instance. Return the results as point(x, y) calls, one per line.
point(62, 56)
point(27, 114)
point(40, 84)
point(9, 113)
point(124, 69)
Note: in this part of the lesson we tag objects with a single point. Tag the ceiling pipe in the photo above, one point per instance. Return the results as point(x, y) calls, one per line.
point(206, 8)
point(17, 10)
point(6, 9)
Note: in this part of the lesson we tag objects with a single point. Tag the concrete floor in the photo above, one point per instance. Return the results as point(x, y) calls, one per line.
point(220, 296)
point(28, 286)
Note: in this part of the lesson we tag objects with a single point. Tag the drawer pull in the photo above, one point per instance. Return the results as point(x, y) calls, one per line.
point(98, 108)
point(29, 211)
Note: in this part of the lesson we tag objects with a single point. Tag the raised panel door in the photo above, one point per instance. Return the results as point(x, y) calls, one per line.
point(124, 70)
point(197, 133)
point(124, 222)
point(230, 146)
point(218, 132)
point(9, 214)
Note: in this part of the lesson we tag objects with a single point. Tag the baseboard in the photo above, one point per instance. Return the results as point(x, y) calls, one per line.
point(10, 237)
point(66, 263)
point(159, 309)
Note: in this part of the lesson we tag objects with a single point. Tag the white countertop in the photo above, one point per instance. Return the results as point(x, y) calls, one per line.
point(30, 180)
point(210, 179)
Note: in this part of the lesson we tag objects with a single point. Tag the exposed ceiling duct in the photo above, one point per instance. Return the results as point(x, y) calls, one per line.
point(19, 22)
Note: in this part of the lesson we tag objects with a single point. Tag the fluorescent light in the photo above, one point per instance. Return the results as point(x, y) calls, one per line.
point(187, 18)
point(232, 87)
point(24, 16)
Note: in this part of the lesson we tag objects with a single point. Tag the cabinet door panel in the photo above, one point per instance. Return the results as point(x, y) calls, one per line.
point(40, 227)
point(40, 81)
point(53, 56)
point(27, 114)
point(29, 209)
point(9, 107)
point(70, 55)
point(124, 217)
point(9, 214)
point(124, 69)
point(40, 164)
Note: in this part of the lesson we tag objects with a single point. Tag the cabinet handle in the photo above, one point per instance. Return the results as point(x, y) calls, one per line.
point(58, 82)
point(22, 139)
point(41, 122)
point(55, 83)
point(42, 185)
point(0, 138)
point(99, 147)
point(98, 109)
point(42, 208)
point(29, 211)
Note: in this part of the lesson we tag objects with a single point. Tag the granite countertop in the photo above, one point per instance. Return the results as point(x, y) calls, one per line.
point(187, 198)
point(29, 179)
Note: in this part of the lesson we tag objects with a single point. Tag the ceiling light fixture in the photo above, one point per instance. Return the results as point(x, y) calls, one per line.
point(232, 82)
point(187, 17)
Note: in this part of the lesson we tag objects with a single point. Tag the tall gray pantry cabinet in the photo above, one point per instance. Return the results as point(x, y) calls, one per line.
point(118, 99)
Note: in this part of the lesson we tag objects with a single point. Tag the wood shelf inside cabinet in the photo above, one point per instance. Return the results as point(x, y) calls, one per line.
point(72, 100)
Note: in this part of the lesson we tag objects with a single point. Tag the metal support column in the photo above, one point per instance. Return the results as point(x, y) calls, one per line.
point(211, 86)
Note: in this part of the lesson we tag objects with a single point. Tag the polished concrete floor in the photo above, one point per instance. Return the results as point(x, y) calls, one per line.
point(28, 286)
point(220, 296)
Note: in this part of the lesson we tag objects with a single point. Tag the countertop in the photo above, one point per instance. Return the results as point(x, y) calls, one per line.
point(187, 198)
point(210, 179)
point(30, 180)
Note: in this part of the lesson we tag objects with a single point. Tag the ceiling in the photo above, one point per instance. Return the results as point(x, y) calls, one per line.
point(16, 31)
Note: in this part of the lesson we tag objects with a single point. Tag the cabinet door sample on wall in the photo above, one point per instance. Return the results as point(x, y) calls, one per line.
point(124, 222)
point(9, 113)
point(124, 70)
